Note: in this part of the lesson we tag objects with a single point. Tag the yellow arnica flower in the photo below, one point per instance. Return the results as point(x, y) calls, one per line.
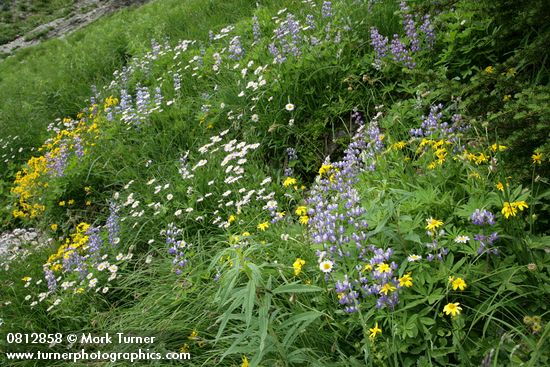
point(374, 331)
point(245, 362)
point(433, 224)
point(70, 202)
point(54, 227)
point(301, 210)
point(289, 181)
point(452, 309)
point(231, 218)
point(26, 279)
point(399, 145)
point(383, 268)
point(406, 280)
point(500, 186)
point(304, 219)
point(537, 158)
point(62, 203)
point(298, 266)
point(386, 288)
point(263, 226)
point(489, 69)
point(511, 209)
point(324, 169)
point(458, 283)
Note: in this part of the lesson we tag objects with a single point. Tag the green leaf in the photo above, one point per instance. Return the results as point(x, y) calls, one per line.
point(296, 288)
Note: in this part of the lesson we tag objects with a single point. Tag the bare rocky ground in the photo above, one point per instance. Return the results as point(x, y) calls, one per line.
point(18, 243)
point(85, 12)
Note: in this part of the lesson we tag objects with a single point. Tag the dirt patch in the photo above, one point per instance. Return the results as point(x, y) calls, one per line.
point(85, 12)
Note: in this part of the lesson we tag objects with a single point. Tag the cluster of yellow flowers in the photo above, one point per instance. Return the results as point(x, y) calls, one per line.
point(511, 209)
point(28, 183)
point(437, 147)
point(74, 242)
point(297, 266)
point(31, 181)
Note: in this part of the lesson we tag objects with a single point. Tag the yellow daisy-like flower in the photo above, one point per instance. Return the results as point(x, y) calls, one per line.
point(304, 219)
point(383, 268)
point(245, 362)
point(386, 288)
point(26, 279)
point(511, 209)
point(301, 210)
point(406, 280)
point(537, 158)
point(367, 267)
point(433, 224)
point(500, 186)
point(452, 309)
point(298, 264)
point(263, 226)
point(489, 69)
point(324, 169)
point(458, 283)
point(62, 203)
point(399, 145)
point(374, 331)
point(54, 227)
point(70, 202)
point(231, 218)
point(508, 210)
point(289, 181)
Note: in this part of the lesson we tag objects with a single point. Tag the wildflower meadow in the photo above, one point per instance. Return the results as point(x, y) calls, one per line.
point(282, 183)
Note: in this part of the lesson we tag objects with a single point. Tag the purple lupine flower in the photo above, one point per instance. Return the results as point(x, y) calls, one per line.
point(112, 224)
point(57, 163)
point(158, 97)
point(400, 53)
point(291, 153)
point(410, 28)
point(236, 50)
point(326, 10)
point(177, 81)
point(310, 21)
point(95, 242)
point(256, 29)
point(380, 45)
point(428, 30)
point(481, 217)
point(50, 279)
point(177, 247)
